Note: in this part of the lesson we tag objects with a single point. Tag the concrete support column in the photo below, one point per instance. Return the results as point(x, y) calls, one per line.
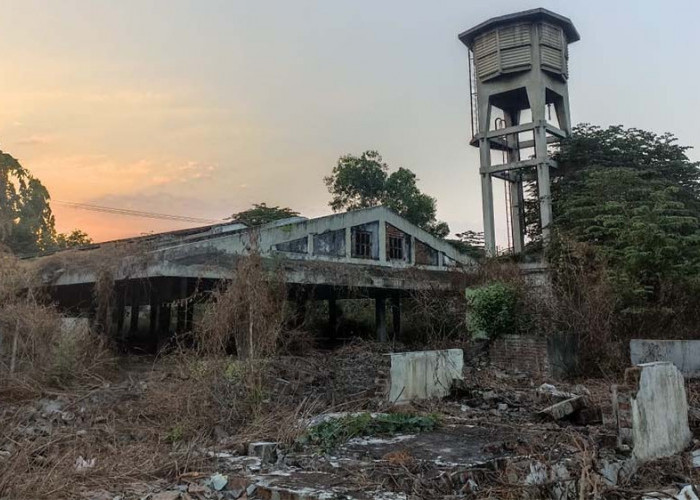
point(382, 241)
point(487, 199)
point(134, 319)
point(332, 317)
point(516, 215)
point(119, 309)
point(163, 324)
point(181, 316)
point(396, 316)
point(189, 316)
point(487, 210)
point(380, 317)
point(545, 199)
point(515, 185)
point(348, 242)
point(153, 322)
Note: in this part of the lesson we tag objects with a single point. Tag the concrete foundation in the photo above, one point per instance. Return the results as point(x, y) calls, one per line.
point(424, 374)
point(651, 411)
point(684, 354)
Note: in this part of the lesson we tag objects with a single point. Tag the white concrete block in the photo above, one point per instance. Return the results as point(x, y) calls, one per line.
point(424, 374)
point(659, 412)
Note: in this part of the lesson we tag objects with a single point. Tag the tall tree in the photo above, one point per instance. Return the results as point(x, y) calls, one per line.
point(27, 225)
point(261, 214)
point(26, 222)
point(364, 181)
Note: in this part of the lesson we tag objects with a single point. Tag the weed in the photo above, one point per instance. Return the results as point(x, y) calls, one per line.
point(331, 433)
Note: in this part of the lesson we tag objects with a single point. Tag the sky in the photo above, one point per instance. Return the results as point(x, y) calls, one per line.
point(201, 108)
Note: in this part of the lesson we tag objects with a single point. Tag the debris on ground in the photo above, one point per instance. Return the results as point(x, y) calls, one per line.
point(496, 436)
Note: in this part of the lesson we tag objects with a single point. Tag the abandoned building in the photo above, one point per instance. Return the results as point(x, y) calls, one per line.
point(370, 253)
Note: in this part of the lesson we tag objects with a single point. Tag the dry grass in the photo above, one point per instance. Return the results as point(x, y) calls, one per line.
point(247, 312)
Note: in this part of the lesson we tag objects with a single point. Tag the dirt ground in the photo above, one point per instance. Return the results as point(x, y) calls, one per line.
point(166, 429)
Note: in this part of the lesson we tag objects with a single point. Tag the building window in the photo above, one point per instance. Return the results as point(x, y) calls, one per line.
point(395, 248)
point(363, 244)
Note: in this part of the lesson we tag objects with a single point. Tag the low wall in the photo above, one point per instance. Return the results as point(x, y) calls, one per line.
point(424, 374)
point(684, 354)
point(521, 353)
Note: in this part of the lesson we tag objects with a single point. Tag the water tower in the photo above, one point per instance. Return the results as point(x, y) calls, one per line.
point(518, 72)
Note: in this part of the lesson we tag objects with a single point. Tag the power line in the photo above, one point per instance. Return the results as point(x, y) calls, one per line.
point(135, 213)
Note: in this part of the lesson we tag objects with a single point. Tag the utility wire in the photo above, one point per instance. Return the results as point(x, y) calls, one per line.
point(134, 213)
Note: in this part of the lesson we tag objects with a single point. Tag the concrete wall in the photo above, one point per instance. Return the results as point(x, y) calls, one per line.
point(684, 354)
point(424, 374)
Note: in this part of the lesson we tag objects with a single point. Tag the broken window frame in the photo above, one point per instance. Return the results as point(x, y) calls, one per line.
point(396, 244)
point(362, 246)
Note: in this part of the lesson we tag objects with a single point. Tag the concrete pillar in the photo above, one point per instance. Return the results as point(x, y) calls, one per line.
point(515, 186)
point(134, 319)
point(396, 316)
point(153, 321)
point(332, 316)
point(119, 309)
point(180, 318)
point(382, 241)
point(189, 316)
point(348, 242)
point(545, 196)
point(487, 209)
point(380, 317)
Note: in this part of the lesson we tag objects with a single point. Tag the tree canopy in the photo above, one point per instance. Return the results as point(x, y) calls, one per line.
point(261, 214)
point(364, 181)
point(27, 225)
point(634, 197)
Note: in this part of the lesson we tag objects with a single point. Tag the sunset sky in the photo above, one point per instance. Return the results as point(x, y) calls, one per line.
point(201, 108)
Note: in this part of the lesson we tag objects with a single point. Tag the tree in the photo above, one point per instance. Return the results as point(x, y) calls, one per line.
point(27, 225)
point(75, 238)
point(261, 214)
point(364, 181)
point(633, 197)
point(26, 222)
point(471, 243)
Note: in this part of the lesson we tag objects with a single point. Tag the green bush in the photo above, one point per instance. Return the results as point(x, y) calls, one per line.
point(493, 310)
point(333, 432)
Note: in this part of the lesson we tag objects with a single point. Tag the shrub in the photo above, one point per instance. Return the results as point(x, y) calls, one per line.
point(493, 310)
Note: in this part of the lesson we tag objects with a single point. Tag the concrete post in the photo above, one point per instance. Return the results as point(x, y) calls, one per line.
point(332, 316)
point(512, 118)
point(382, 241)
point(380, 317)
point(348, 242)
point(487, 209)
point(396, 316)
point(134, 319)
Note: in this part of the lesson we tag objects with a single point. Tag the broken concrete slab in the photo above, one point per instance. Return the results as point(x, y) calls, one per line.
point(651, 411)
point(564, 409)
point(424, 374)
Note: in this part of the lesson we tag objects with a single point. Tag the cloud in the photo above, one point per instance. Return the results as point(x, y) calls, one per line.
point(35, 140)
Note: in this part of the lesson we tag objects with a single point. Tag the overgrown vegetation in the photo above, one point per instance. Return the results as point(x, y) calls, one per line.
point(625, 253)
point(494, 310)
point(36, 345)
point(247, 313)
point(332, 432)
